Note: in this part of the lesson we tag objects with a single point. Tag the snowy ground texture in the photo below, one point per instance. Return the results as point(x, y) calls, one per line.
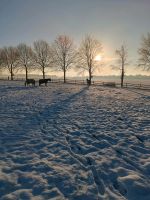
point(74, 142)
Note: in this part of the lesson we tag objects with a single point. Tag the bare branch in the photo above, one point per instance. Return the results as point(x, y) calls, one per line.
point(42, 55)
point(25, 57)
point(122, 54)
point(87, 53)
point(63, 53)
point(9, 59)
point(144, 53)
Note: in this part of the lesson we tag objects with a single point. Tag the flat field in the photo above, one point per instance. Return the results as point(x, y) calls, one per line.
point(73, 142)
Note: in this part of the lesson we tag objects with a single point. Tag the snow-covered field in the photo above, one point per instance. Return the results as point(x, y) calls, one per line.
point(74, 142)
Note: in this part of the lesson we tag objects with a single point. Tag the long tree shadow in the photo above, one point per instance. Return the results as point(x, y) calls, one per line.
point(64, 104)
point(31, 122)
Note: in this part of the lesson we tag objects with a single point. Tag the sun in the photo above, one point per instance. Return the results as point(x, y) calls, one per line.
point(98, 58)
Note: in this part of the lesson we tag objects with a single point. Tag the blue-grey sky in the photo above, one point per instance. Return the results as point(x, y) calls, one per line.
point(113, 22)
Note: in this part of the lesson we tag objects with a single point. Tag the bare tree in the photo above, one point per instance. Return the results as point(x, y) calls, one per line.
point(122, 61)
point(9, 59)
point(88, 50)
point(42, 55)
point(144, 52)
point(25, 57)
point(63, 51)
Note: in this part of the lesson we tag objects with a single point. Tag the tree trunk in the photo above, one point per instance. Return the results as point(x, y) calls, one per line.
point(43, 71)
point(122, 75)
point(64, 75)
point(26, 73)
point(11, 73)
point(90, 76)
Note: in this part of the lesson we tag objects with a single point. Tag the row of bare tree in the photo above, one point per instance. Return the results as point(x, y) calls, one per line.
point(62, 54)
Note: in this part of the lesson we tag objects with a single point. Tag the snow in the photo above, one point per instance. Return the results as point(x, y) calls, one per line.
point(72, 142)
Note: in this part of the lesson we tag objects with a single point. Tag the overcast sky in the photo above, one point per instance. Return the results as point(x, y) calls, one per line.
point(113, 22)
